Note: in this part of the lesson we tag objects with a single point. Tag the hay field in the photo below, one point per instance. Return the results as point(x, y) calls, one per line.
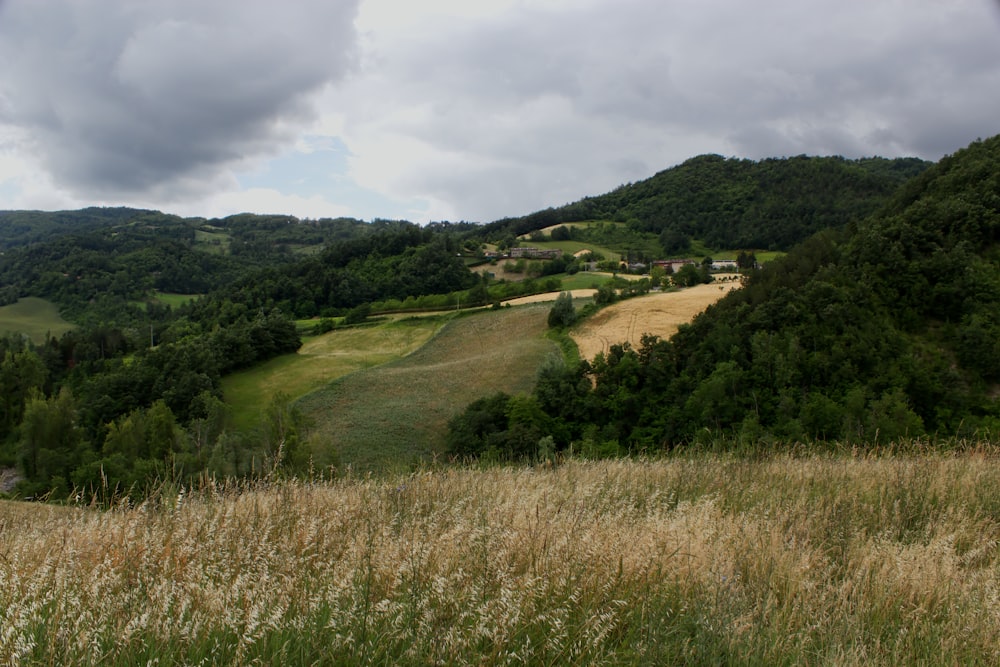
point(659, 314)
point(396, 415)
point(694, 560)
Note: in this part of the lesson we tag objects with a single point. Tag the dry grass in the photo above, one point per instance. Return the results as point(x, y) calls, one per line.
point(701, 560)
point(550, 296)
point(659, 314)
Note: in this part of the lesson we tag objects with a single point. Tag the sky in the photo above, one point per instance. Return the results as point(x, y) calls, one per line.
point(461, 110)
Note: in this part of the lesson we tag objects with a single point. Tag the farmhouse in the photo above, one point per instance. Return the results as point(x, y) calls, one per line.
point(672, 265)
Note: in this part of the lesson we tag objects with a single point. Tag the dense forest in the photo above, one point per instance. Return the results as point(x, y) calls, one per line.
point(873, 327)
point(887, 328)
point(730, 203)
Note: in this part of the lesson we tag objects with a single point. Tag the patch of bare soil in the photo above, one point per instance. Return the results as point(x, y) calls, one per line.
point(659, 314)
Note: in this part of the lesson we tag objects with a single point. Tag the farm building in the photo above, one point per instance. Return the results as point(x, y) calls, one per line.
point(534, 253)
point(672, 265)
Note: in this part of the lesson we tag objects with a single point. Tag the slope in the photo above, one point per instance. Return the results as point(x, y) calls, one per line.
point(886, 330)
point(395, 415)
point(733, 203)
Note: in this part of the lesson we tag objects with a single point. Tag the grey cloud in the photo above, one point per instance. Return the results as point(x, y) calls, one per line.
point(643, 81)
point(125, 98)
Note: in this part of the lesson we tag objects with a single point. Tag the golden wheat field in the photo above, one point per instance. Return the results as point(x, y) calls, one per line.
point(659, 314)
point(701, 559)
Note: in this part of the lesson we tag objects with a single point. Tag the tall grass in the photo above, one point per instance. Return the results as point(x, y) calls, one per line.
point(700, 560)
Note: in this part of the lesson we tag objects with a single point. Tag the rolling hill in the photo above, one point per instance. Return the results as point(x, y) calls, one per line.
point(733, 203)
point(395, 415)
point(884, 329)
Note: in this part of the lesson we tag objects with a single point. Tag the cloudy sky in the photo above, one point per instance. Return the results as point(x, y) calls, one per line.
point(462, 110)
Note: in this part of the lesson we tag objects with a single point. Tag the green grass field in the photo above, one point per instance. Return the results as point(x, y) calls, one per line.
point(583, 280)
point(34, 318)
point(216, 242)
point(321, 360)
point(395, 415)
point(175, 300)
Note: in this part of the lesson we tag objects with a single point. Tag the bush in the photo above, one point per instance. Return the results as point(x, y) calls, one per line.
point(563, 314)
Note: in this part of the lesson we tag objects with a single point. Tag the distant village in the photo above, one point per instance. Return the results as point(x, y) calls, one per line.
point(669, 265)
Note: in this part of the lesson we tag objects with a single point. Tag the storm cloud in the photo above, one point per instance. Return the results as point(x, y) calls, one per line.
point(447, 109)
point(120, 98)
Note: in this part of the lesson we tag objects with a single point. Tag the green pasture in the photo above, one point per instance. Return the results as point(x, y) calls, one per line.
point(320, 360)
point(216, 242)
point(34, 318)
point(763, 256)
point(583, 280)
point(175, 300)
point(397, 414)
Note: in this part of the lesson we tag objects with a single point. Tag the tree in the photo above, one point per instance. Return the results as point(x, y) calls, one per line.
point(688, 275)
point(563, 314)
point(561, 233)
point(282, 427)
point(51, 444)
point(20, 373)
point(469, 431)
point(674, 242)
point(746, 260)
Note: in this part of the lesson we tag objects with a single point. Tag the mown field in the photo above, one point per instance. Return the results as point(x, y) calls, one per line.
point(396, 415)
point(695, 559)
point(175, 300)
point(322, 359)
point(34, 318)
point(659, 314)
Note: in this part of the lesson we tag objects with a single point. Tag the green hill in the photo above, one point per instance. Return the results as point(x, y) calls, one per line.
point(732, 203)
point(395, 415)
point(888, 328)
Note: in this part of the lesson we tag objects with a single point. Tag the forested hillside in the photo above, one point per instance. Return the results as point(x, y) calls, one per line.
point(732, 203)
point(132, 396)
point(884, 329)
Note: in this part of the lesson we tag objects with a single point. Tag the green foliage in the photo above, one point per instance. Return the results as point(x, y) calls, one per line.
point(690, 275)
point(50, 443)
point(563, 313)
point(561, 233)
point(731, 203)
point(884, 329)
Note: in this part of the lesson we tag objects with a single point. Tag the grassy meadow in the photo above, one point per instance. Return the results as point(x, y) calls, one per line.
point(396, 414)
point(694, 559)
point(322, 359)
point(34, 318)
point(175, 300)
